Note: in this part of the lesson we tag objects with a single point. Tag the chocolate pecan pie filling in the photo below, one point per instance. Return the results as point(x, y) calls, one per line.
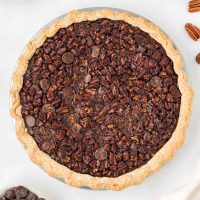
point(100, 97)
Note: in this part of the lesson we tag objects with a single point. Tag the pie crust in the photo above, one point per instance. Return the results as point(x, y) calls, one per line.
point(138, 175)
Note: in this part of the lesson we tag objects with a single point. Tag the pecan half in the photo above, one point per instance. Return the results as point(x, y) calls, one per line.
point(194, 6)
point(193, 31)
point(198, 58)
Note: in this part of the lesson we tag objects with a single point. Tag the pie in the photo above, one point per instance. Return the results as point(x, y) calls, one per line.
point(100, 99)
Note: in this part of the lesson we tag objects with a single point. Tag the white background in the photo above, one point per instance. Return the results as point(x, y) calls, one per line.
point(19, 21)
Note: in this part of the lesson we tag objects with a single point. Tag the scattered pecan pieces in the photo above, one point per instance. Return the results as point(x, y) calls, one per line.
point(100, 97)
point(193, 31)
point(194, 6)
point(198, 58)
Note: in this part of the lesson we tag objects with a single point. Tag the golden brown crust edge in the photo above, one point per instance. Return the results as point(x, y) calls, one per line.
point(76, 179)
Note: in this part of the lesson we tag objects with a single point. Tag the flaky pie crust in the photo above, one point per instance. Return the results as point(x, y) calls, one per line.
point(76, 179)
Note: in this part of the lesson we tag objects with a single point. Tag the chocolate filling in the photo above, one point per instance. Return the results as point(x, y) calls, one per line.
point(100, 97)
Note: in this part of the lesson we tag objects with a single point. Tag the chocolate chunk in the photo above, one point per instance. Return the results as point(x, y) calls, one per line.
point(95, 51)
point(156, 81)
point(67, 58)
point(10, 194)
point(30, 121)
point(88, 78)
point(100, 154)
point(102, 90)
point(44, 84)
point(31, 196)
point(21, 192)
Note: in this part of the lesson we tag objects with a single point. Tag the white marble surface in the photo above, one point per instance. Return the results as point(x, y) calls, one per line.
point(19, 21)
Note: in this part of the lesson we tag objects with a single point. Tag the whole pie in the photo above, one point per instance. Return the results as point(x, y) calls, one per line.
point(100, 99)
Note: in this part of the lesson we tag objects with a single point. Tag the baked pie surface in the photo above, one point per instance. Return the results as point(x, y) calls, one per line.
point(100, 99)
